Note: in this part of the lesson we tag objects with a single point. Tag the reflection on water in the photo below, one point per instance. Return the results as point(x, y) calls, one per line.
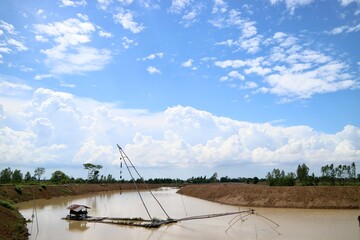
point(78, 226)
point(294, 223)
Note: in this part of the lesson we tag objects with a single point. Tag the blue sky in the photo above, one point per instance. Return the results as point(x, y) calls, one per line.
point(186, 87)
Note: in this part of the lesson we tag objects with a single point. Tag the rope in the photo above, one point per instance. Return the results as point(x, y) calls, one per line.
point(123, 154)
point(215, 215)
point(137, 189)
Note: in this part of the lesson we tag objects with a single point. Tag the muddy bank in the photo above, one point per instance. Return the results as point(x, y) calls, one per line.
point(331, 197)
point(12, 224)
point(21, 193)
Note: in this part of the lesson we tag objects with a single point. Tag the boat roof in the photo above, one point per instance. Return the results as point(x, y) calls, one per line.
point(77, 207)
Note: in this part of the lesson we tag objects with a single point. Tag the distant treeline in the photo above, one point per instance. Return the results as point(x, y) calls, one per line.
point(330, 175)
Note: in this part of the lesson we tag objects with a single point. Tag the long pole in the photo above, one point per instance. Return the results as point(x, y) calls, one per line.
point(120, 149)
point(137, 189)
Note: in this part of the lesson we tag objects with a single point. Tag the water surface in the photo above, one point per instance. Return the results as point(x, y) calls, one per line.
point(294, 223)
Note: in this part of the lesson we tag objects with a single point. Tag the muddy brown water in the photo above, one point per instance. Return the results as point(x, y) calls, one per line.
point(294, 223)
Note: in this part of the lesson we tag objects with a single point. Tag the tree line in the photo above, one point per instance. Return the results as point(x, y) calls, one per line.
point(330, 175)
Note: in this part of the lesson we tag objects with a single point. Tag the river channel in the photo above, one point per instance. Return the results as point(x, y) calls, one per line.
point(293, 223)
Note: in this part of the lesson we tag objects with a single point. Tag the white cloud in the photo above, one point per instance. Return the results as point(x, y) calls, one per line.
point(19, 46)
point(189, 18)
point(7, 87)
point(70, 3)
point(345, 3)
point(251, 45)
point(236, 75)
point(105, 34)
point(125, 2)
point(291, 5)
point(219, 6)
point(177, 6)
point(83, 59)
point(258, 70)
point(187, 63)
point(330, 77)
point(153, 70)
point(103, 4)
point(293, 70)
point(344, 29)
point(8, 43)
point(127, 21)
point(42, 76)
point(70, 55)
point(40, 38)
point(127, 43)
point(9, 28)
point(152, 56)
point(58, 126)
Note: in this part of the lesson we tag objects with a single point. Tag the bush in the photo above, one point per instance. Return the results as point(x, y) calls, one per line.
point(18, 189)
point(7, 205)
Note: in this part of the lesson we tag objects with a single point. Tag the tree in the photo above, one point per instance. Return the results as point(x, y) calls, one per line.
point(17, 176)
point(93, 171)
point(353, 171)
point(59, 177)
point(214, 177)
point(5, 175)
point(38, 172)
point(256, 180)
point(302, 173)
point(27, 177)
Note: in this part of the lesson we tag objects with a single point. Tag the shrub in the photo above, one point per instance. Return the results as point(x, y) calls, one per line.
point(7, 204)
point(18, 189)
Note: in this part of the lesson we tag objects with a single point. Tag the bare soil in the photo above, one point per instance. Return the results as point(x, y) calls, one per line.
point(330, 197)
point(12, 225)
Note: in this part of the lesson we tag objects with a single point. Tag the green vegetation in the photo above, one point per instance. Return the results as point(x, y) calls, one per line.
point(39, 171)
point(330, 175)
point(7, 204)
point(93, 171)
point(18, 189)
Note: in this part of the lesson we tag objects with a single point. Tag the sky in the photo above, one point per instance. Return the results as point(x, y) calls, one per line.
point(186, 88)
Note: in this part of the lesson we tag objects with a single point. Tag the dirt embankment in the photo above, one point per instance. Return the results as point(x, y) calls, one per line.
point(332, 197)
point(13, 225)
point(29, 192)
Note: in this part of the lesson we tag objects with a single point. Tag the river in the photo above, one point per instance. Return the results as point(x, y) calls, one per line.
point(293, 223)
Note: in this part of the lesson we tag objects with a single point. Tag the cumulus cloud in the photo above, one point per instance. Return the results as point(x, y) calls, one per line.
point(70, 54)
point(187, 63)
point(58, 126)
point(126, 19)
point(127, 42)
